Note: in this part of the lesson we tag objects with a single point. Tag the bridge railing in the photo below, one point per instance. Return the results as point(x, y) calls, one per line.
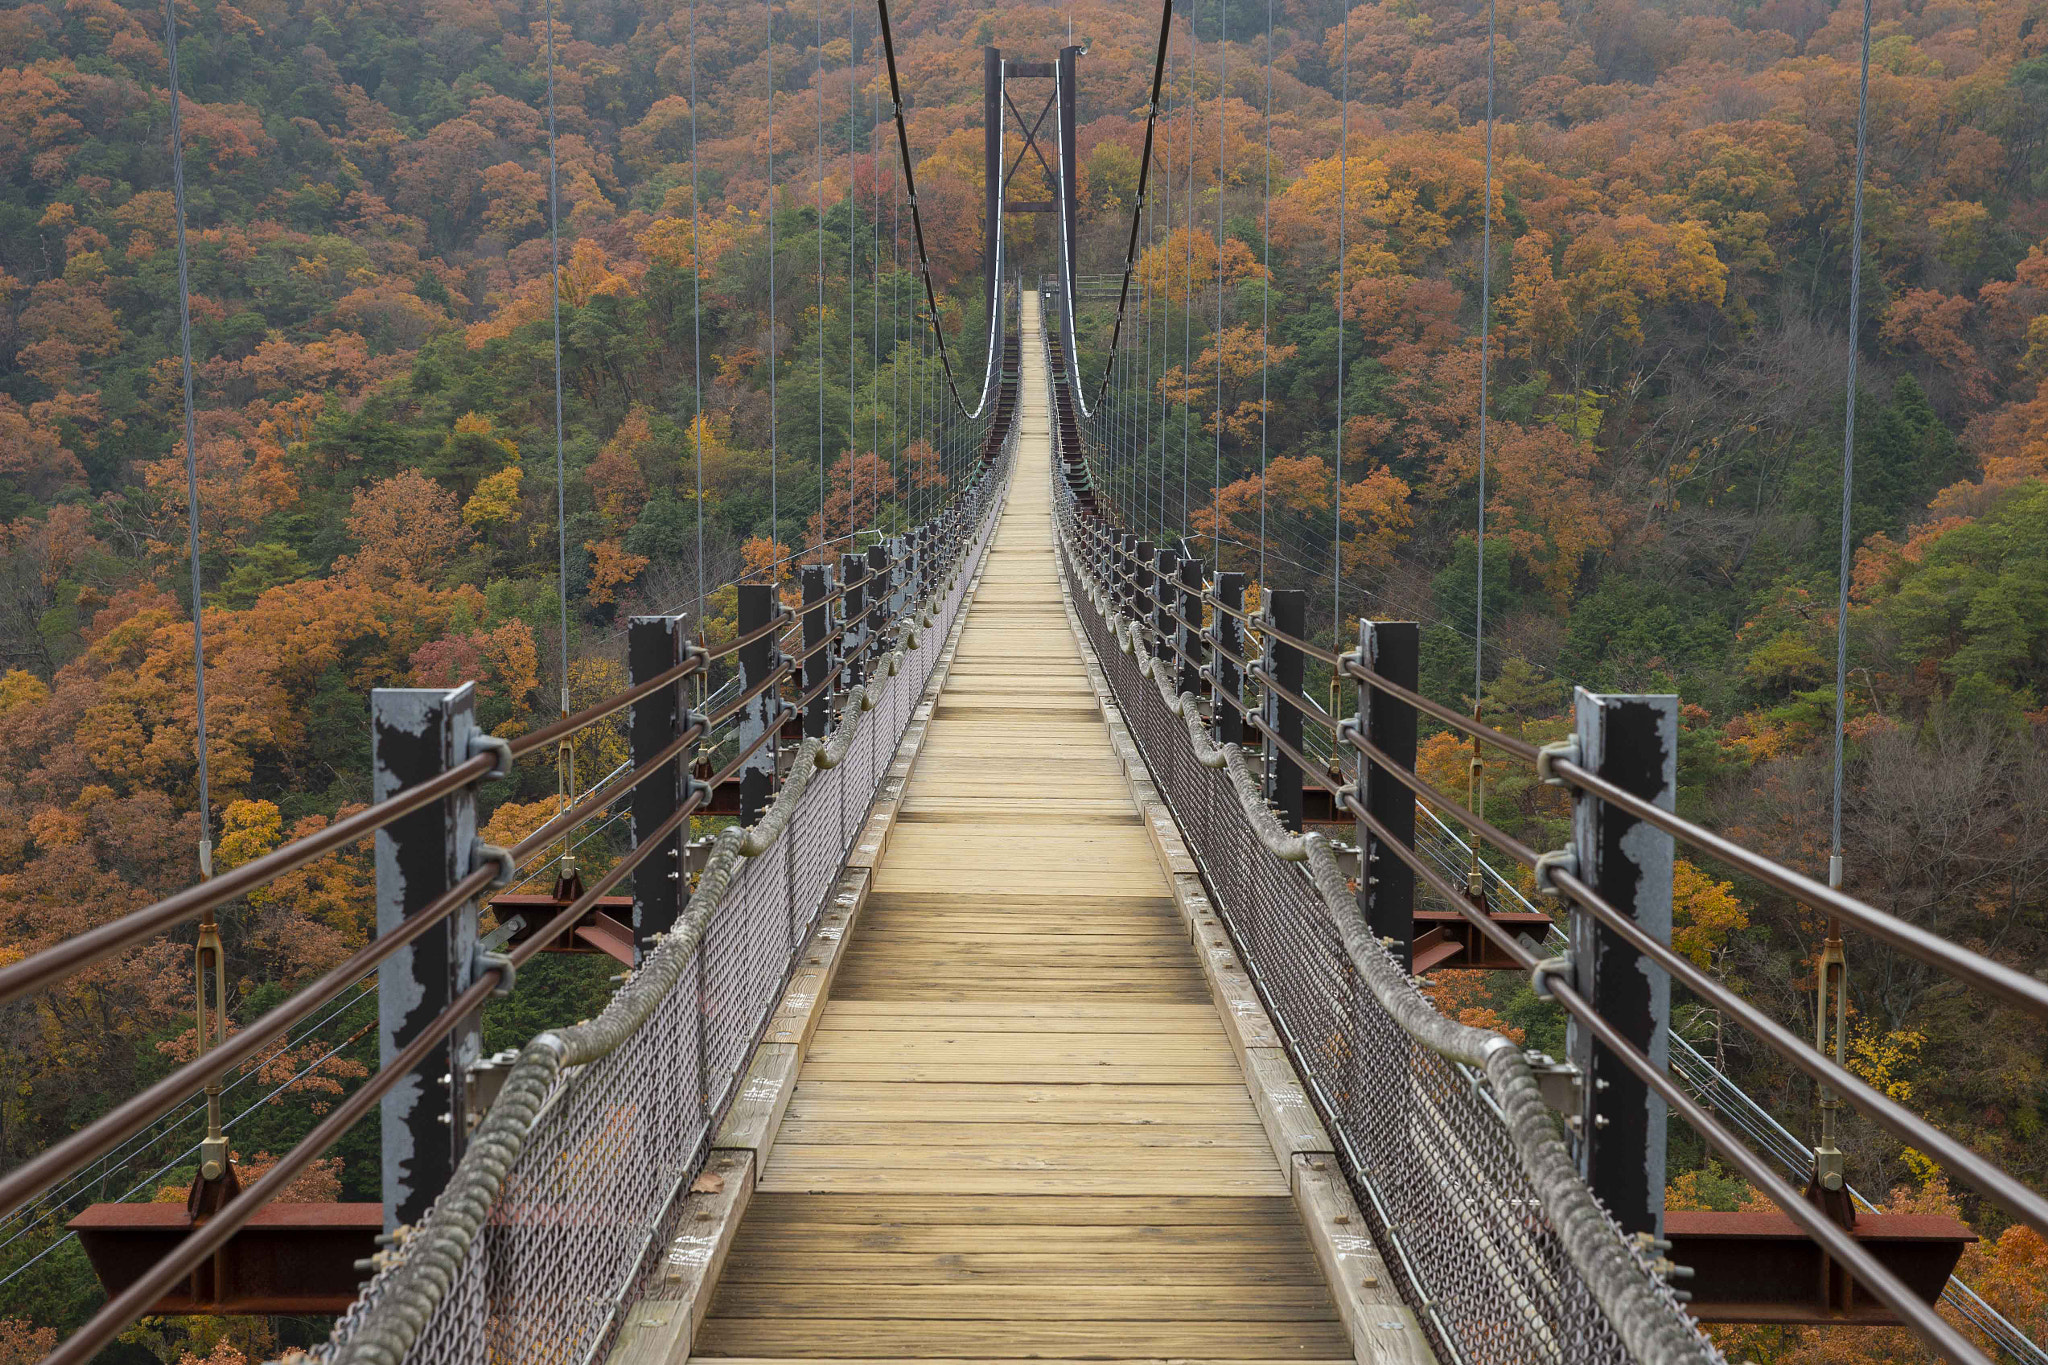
point(815, 700)
point(1467, 1225)
point(1198, 674)
point(556, 1214)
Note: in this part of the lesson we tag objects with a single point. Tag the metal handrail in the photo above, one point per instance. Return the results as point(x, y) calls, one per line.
point(2014, 987)
point(1463, 724)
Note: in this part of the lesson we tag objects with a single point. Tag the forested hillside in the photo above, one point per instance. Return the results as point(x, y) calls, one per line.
point(373, 341)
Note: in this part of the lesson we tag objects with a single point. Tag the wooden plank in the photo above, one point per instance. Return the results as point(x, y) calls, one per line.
point(1382, 1328)
point(841, 1180)
point(796, 1017)
point(653, 1332)
point(981, 1360)
point(1102, 1302)
point(927, 1338)
point(1023, 897)
point(1289, 1117)
point(997, 1113)
point(1081, 1049)
point(1122, 1137)
point(840, 1238)
point(1196, 1209)
point(774, 1265)
point(945, 931)
point(659, 1329)
point(1012, 1016)
point(756, 1110)
point(978, 987)
point(1040, 1153)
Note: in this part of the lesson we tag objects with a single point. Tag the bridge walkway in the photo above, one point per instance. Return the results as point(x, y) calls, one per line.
point(1020, 1129)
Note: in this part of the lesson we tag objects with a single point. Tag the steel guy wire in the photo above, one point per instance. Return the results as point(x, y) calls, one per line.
point(875, 327)
point(1266, 320)
point(1343, 205)
point(1165, 247)
point(555, 294)
point(818, 82)
point(69, 1189)
point(172, 1164)
point(852, 233)
point(1222, 93)
point(191, 443)
point(774, 322)
point(1849, 453)
point(895, 314)
point(1485, 370)
point(1187, 338)
point(697, 319)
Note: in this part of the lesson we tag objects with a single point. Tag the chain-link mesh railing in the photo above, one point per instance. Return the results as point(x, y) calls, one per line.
point(529, 1259)
point(1433, 1165)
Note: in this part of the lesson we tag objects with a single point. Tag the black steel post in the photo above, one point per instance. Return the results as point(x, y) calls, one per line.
point(1064, 92)
point(1141, 579)
point(1192, 646)
point(880, 576)
point(417, 733)
point(763, 712)
point(1226, 722)
point(902, 573)
point(853, 572)
point(1287, 610)
point(1386, 885)
point(1165, 564)
point(1631, 741)
point(661, 887)
point(818, 662)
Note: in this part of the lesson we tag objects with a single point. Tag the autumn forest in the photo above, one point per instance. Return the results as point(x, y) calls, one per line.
point(745, 376)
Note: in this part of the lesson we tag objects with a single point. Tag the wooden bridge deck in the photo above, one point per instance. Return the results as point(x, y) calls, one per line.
point(1020, 1129)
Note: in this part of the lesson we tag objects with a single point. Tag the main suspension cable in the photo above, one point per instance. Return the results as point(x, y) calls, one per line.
point(924, 263)
point(1144, 177)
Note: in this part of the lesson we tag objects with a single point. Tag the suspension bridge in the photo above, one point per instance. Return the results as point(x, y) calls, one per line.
point(1019, 963)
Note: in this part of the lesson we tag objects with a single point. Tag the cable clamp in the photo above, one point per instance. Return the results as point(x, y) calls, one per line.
point(490, 960)
point(480, 742)
point(1539, 975)
point(481, 853)
point(1558, 859)
point(1548, 756)
point(693, 786)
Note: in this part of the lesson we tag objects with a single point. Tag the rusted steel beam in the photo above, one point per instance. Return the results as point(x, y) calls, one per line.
point(290, 1258)
point(1759, 1266)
